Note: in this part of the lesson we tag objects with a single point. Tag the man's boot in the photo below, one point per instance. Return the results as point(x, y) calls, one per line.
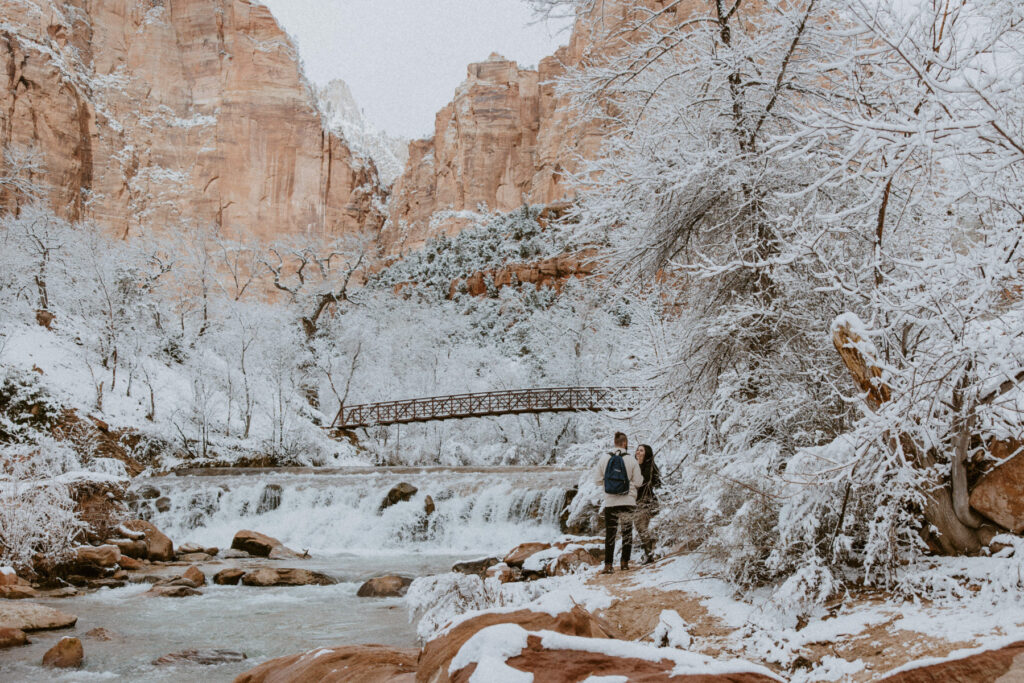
point(608, 569)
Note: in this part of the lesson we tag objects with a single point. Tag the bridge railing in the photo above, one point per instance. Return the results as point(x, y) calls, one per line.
point(486, 404)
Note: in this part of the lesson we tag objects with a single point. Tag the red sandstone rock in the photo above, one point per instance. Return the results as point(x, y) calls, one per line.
point(363, 663)
point(66, 654)
point(999, 495)
point(268, 576)
point(158, 546)
point(438, 653)
point(103, 556)
point(384, 587)
point(194, 575)
point(1004, 665)
point(12, 637)
point(255, 543)
point(571, 561)
point(521, 552)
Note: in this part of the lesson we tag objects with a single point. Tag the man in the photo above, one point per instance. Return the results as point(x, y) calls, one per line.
point(619, 473)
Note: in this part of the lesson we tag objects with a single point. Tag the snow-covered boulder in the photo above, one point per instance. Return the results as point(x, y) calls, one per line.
point(359, 662)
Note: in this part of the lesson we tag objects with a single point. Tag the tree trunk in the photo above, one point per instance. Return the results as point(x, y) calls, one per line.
point(945, 533)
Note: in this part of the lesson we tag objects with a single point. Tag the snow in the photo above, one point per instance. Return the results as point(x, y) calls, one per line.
point(671, 630)
point(7, 571)
point(490, 645)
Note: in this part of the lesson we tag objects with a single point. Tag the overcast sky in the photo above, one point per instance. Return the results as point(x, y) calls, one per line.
point(404, 58)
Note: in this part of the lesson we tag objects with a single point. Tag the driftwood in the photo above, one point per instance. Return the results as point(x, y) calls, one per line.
point(950, 534)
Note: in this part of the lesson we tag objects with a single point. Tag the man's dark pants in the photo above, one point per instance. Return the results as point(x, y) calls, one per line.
point(613, 516)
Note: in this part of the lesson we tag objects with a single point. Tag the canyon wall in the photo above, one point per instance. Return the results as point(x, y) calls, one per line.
point(508, 137)
point(158, 111)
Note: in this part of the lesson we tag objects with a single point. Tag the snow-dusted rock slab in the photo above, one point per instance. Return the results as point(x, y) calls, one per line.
point(999, 495)
point(31, 616)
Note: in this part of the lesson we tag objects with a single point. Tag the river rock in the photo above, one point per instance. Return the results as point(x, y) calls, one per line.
point(205, 657)
point(8, 577)
point(31, 616)
point(148, 492)
point(17, 592)
point(284, 553)
point(234, 554)
point(370, 663)
point(521, 552)
point(12, 637)
point(478, 566)
point(66, 654)
point(158, 546)
point(255, 543)
point(101, 557)
point(194, 575)
point(131, 547)
point(398, 494)
point(392, 586)
point(570, 561)
point(428, 506)
point(286, 577)
point(438, 654)
point(130, 563)
point(163, 504)
point(194, 548)
point(171, 591)
point(228, 577)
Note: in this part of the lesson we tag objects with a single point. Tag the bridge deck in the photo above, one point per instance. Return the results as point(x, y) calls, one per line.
point(486, 404)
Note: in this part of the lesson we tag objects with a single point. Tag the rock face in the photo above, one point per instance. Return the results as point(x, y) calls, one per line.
point(66, 654)
point(370, 663)
point(158, 112)
point(158, 546)
point(999, 495)
point(30, 616)
point(385, 587)
point(551, 272)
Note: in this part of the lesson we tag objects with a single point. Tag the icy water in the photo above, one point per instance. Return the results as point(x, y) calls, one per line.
point(332, 513)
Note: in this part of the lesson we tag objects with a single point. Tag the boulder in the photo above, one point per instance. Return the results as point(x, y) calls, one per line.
point(255, 543)
point(286, 577)
point(234, 554)
point(371, 663)
point(999, 494)
point(204, 657)
point(66, 654)
point(102, 557)
point(428, 506)
point(570, 561)
point(228, 577)
point(163, 504)
point(438, 654)
point(8, 577)
point(194, 575)
point(283, 553)
point(31, 616)
point(158, 546)
point(385, 587)
point(398, 494)
point(130, 547)
point(1003, 664)
point(148, 492)
point(12, 637)
point(170, 591)
point(521, 552)
point(478, 566)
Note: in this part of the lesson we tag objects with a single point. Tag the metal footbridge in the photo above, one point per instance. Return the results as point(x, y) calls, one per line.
point(487, 404)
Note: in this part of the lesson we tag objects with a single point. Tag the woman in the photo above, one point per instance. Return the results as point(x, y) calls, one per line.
point(646, 499)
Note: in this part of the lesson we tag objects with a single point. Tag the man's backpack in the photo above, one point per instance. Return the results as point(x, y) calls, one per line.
point(616, 481)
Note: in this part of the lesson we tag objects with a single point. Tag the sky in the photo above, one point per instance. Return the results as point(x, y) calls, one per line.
point(404, 58)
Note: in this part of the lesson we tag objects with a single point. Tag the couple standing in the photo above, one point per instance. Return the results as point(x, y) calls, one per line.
point(629, 483)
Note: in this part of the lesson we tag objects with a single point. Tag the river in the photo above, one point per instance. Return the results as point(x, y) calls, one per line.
point(335, 515)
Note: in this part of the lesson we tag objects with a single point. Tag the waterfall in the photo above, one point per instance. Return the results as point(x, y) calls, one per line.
point(335, 512)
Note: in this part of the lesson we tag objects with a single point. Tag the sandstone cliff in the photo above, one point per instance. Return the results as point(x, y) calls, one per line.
point(151, 111)
point(507, 138)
